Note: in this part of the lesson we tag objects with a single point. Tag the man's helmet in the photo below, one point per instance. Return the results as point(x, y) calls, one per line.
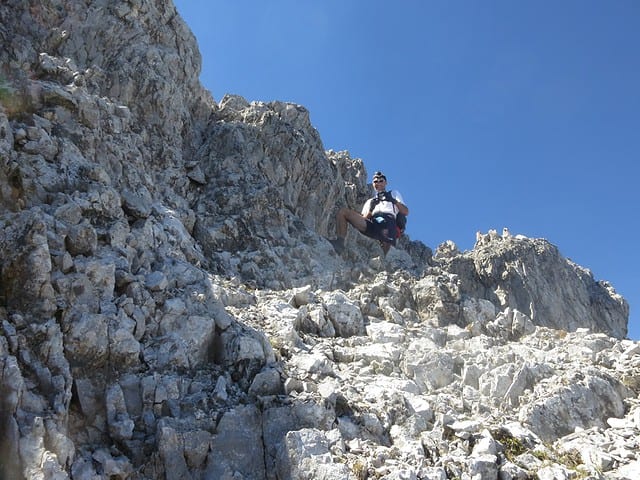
point(379, 175)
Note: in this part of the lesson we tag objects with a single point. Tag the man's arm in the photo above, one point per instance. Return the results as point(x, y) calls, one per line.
point(367, 208)
point(402, 208)
point(397, 201)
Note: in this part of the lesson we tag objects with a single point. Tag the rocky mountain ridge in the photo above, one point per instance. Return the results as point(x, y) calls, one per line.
point(171, 307)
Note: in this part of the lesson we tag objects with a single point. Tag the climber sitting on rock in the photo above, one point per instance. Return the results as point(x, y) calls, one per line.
point(377, 219)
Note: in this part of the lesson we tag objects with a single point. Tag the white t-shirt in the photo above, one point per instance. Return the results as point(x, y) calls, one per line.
point(383, 207)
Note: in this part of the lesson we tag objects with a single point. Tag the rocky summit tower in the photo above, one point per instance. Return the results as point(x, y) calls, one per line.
point(171, 308)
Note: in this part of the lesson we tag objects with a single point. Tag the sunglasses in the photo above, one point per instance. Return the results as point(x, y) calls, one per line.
point(378, 180)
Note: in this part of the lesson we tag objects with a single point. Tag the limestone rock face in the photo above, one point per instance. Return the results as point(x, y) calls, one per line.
point(170, 306)
point(532, 277)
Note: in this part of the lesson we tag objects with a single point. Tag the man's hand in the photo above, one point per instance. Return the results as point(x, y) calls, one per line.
point(386, 197)
point(372, 204)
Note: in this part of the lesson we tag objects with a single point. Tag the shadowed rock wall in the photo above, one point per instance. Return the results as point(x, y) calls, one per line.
point(171, 308)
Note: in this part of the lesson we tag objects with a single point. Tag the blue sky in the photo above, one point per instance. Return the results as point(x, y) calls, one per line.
point(483, 114)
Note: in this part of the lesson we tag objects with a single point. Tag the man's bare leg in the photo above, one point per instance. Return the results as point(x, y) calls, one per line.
point(344, 217)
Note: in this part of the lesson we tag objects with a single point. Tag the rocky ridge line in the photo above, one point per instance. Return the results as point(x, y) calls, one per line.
point(171, 308)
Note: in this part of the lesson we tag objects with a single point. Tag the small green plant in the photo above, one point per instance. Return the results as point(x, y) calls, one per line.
point(359, 469)
point(6, 90)
point(512, 446)
point(13, 99)
point(632, 382)
point(541, 455)
point(570, 458)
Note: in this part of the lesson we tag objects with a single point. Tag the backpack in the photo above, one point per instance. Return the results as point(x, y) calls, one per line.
point(401, 224)
point(401, 220)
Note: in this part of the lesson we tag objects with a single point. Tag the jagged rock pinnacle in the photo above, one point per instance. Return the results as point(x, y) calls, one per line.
point(171, 306)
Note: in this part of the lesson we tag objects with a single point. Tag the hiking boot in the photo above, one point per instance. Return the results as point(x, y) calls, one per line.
point(338, 245)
